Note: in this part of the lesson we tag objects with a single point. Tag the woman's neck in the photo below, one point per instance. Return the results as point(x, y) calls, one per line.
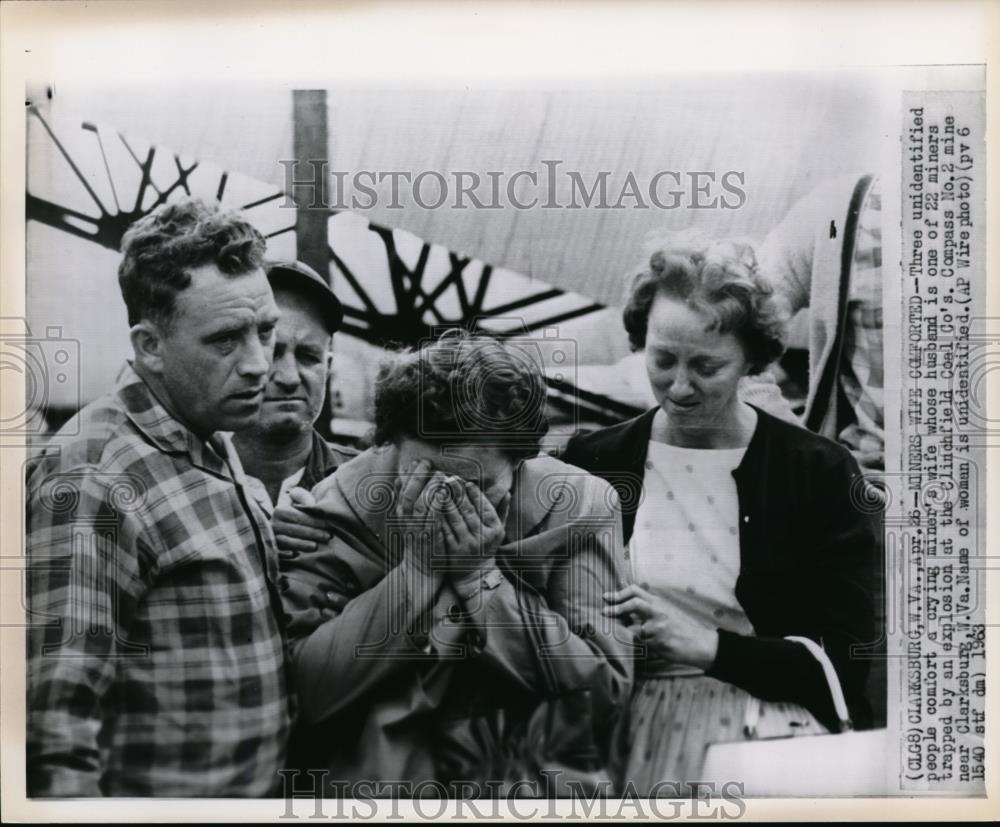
point(734, 430)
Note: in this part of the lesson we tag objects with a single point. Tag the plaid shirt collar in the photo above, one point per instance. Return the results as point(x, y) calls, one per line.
point(164, 430)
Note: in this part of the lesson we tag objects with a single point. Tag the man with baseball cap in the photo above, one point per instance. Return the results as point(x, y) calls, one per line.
point(282, 449)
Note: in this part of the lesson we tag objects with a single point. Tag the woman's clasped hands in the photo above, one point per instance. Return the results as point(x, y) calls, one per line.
point(449, 524)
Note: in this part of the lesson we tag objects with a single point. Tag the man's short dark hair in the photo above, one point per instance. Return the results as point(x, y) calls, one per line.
point(160, 250)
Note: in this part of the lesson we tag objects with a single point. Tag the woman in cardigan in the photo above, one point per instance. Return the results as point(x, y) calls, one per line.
point(450, 579)
point(742, 530)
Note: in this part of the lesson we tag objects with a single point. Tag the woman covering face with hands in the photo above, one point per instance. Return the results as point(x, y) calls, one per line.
point(465, 527)
point(439, 586)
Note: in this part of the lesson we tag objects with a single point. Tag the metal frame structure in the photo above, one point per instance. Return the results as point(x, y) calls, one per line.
point(418, 307)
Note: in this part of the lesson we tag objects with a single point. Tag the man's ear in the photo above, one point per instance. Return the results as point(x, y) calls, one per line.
point(147, 343)
point(329, 354)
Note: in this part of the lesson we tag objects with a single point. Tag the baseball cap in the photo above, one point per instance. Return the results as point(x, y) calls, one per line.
point(295, 275)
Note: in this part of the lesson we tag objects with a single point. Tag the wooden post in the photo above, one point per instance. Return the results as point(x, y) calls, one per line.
point(311, 172)
point(309, 190)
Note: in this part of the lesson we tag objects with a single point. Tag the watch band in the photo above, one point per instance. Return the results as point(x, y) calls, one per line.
point(488, 581)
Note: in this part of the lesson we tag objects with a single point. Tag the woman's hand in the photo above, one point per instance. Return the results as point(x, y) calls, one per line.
point(417, 492)
point(667, 632)
point(455, 526)
point(294, 530)
point(472, 528)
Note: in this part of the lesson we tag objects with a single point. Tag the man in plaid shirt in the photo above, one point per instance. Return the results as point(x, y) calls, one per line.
point(155, 645)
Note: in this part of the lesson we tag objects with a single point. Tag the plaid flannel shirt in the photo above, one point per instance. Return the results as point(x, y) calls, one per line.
point(155, 656)
point(861, 375)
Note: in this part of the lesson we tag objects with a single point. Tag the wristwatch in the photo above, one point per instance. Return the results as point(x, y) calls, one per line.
point(486, 583)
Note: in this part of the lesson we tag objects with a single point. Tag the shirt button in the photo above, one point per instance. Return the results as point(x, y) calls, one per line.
point(732, 531)
point(649, 464)
point(690, 526)
point(715, 558)
point(690, 468)
point(746, 518)
point(670, 495)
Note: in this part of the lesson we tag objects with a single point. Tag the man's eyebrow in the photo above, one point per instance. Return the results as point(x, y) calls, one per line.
point(227, 329)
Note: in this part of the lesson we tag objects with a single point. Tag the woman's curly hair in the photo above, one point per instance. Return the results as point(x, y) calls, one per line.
point(160, 250)
point(463, 388)
point(718, 278)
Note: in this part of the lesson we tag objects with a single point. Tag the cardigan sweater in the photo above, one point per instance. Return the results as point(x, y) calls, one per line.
point(808, 546)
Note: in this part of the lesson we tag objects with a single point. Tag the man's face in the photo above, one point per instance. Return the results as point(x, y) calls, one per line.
point(296, 385)
point(217, 350)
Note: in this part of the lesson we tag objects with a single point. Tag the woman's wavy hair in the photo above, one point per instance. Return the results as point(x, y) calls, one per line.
point(160, 250)
point(718, 278)
point(463, 388)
